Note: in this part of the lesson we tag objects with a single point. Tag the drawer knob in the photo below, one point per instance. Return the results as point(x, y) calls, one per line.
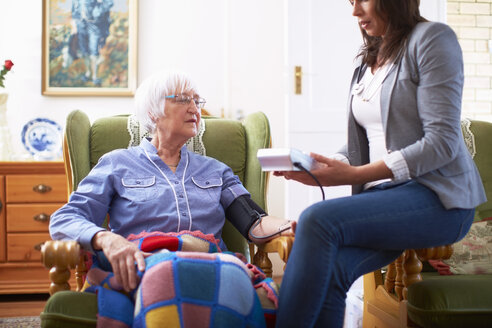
point(42, 217)
point(41, 188)
point(38, 246)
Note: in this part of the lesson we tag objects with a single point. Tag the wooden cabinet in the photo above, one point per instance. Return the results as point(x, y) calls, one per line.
point(29, 193)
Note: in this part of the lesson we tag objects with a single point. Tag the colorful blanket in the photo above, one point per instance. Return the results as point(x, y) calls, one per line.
point(188, 282)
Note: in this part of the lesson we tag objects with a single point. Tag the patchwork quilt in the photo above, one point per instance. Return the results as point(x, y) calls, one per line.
point(188, 282)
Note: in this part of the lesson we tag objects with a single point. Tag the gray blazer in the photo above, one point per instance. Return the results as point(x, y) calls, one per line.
point(420, 110)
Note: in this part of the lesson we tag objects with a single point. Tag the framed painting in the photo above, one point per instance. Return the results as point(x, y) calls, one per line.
point(89, 47)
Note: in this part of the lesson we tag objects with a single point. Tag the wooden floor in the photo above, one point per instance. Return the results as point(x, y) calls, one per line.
point(22, 305)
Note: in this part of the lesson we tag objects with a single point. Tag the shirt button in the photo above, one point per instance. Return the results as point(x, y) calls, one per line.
point(184, 214)
point(181, 196)
point(138, 182)
point(176, 182)
point(207, 183)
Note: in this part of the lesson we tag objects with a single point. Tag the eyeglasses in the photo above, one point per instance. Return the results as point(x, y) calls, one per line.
point(185, 99)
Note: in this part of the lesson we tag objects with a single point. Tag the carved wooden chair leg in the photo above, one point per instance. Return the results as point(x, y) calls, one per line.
point(389, 279)
point(80, 272)
point(262, 261)
point(399, 276)
point(60, 256)
point(281, 245)
point(412, 267)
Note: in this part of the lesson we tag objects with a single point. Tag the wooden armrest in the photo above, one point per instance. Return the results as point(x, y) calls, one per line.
point(385, 302)
point(405, 270)
point(60, 257)
point(281, 245)
point(435, 253)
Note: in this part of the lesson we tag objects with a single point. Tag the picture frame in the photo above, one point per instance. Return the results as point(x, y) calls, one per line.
point(89, 48)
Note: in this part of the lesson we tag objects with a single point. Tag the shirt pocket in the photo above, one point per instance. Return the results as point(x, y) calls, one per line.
point(139, 189)
point(210, 186)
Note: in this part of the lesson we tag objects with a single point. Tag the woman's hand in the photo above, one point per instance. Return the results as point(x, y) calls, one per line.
point(331, 172)
point(270, 225)
point(122, 255)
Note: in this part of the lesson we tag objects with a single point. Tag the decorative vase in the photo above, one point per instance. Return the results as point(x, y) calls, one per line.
point(5, 146)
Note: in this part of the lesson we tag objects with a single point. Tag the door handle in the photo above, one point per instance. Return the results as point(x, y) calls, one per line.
point(298, 80)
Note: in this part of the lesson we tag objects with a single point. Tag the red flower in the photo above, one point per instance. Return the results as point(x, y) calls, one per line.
point(6, 67)
point(8, 64)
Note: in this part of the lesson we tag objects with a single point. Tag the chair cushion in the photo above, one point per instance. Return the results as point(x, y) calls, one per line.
point(451, 301)
point(230, 150)
point(107, 134)
point(472, 254)
point(69, 309)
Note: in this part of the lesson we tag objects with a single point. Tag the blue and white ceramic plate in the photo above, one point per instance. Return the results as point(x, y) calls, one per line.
point(42, 137)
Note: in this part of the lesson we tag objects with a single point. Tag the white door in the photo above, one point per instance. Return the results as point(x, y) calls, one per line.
point(323, 39)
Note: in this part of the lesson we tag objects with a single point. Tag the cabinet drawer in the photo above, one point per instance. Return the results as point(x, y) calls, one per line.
point(30, 217)
point(36, 188)
point(22, 246)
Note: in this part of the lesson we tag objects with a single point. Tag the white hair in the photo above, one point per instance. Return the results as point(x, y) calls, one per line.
point(150, 98)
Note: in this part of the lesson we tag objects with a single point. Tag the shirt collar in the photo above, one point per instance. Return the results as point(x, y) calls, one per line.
point(147, 145)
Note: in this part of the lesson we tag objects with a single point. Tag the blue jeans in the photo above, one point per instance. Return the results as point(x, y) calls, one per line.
point(341, 239)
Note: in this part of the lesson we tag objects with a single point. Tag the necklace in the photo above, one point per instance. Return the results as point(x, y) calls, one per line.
point(367, 92)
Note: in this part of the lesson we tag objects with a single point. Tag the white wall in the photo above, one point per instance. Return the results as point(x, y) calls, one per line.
point(256, 66)
point(233, 50)
point(20, 37)
point(433, 10)
point(167, 39)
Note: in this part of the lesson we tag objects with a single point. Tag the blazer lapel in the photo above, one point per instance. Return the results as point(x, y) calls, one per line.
point(387, 90)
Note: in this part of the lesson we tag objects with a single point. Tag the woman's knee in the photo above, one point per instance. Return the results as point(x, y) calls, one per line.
point(311, 216)
point(315, 219)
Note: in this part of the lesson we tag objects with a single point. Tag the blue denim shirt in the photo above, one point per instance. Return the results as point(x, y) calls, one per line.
point(141, 193)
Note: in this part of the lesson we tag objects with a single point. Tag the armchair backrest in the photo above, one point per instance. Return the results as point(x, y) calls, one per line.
point(232, 142)
point(478, 135)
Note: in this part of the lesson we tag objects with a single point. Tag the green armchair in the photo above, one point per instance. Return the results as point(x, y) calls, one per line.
point(229, 141)
point(413, 294)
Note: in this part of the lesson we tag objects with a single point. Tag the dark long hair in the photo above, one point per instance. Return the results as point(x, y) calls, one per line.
point(401, 17)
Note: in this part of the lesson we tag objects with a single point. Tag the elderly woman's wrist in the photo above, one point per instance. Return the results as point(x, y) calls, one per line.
point(268, 228)
point(98, 240)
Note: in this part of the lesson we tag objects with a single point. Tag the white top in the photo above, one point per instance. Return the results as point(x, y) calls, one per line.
point(366, 107)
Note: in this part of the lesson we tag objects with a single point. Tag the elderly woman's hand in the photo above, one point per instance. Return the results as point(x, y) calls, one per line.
point(271, 227)
point(122, 255)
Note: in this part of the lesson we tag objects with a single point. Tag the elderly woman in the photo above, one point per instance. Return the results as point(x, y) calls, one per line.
point(159, 186)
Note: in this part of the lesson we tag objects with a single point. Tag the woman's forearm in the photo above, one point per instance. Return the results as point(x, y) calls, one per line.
point(371, 172)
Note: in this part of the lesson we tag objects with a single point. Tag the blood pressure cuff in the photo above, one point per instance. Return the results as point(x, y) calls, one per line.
point(242, 213)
